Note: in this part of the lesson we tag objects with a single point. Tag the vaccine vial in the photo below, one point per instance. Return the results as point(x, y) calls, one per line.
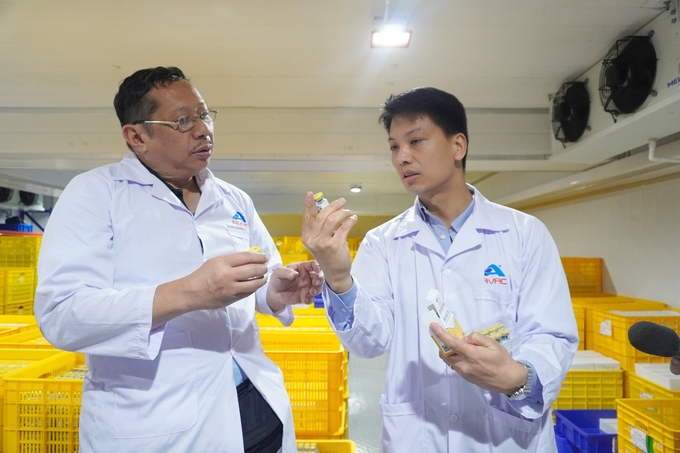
point(320, 201)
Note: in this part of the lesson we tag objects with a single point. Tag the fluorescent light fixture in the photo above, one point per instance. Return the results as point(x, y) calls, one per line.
point(391, 36)
point(355, 188)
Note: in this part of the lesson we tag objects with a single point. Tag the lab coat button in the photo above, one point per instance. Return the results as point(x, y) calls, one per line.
point(233, 351)
point(447, 272)
point(344, 310)
point(453, 418)
point(442, 237)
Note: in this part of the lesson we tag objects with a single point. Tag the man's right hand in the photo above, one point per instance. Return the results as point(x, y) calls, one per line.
point(325, 236)
point(219, 282)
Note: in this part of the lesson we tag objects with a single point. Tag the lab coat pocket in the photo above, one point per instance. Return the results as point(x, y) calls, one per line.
point(157, 397)
point(403, 421)
point(514, 430)
point(493, 306)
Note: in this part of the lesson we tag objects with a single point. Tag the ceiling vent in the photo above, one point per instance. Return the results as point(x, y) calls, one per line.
point(624, 81)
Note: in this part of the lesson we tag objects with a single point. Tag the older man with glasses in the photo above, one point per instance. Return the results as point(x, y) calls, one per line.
point(145, 267)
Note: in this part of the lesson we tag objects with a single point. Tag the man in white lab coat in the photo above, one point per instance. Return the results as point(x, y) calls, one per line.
point(145, 267)
point(489, 263)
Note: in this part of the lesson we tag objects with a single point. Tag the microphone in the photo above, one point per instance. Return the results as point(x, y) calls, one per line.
point(654, 339)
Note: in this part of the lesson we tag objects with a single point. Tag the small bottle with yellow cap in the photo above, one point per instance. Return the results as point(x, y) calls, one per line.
point(320, 201)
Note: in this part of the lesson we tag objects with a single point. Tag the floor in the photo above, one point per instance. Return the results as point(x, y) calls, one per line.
point(366, 380)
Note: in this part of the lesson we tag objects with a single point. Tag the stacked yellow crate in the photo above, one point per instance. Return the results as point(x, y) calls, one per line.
point(315, 370)
point(608, 302)
point(594, 381)
point(292, 249)
point(18, 264)
point(584, 275)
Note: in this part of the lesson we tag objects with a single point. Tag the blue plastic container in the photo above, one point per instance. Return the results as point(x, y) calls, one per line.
point(563, 445)
point(318, 301)
point(25, 227)
point(581, 428)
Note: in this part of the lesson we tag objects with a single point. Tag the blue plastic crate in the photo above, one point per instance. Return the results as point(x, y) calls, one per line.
point(581, 428)
point(25, 227)
point(563, 445)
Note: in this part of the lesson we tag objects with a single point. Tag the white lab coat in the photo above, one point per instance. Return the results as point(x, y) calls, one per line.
point(427, 407)
point(116, 233)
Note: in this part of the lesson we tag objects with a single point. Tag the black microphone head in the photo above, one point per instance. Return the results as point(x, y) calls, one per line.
point(654, 339)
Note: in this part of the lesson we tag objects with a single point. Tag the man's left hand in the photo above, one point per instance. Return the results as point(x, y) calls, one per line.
point(482, 361)
point(296, 283)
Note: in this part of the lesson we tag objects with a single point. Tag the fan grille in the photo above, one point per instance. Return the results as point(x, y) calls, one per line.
point(627, 74)
point(571, 108)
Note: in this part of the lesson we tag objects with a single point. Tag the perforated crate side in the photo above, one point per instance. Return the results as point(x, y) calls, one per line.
point(639, 387)
point(611, 335)
point(590, 390)
point(18, 250)
point(330, 446)
point(42, 412)
point(648, 425)
point(19, 285)
point(584, 275)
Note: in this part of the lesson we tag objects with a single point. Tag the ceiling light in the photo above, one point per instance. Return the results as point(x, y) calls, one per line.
point(390, 33)
point(355, 188)
point(391, 36)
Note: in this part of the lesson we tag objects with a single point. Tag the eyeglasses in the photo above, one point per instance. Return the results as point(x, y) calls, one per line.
point(186, 123)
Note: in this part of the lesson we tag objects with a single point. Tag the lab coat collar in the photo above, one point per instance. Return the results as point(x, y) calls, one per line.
point(484, 218)
point(131, 169)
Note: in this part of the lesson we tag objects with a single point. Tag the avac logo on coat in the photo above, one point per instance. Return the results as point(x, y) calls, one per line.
point(239, 219)
point(493, 275)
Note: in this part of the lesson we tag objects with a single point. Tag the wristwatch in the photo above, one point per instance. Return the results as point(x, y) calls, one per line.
point(524, 390)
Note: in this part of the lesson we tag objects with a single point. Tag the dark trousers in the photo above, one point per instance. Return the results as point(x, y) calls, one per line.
point(262, 429)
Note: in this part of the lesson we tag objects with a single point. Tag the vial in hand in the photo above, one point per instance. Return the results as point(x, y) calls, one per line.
point(320, 201)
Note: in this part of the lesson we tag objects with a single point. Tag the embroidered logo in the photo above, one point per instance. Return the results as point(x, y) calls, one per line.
point(493, 275)
point(239, 219)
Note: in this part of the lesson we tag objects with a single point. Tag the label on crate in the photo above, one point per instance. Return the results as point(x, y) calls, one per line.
point(646, 395)
point(606, 328)
point(641, 440)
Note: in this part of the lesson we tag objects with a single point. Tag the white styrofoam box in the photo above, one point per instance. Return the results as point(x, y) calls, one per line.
point(646, 313)
point(660, 374)
point(593, 361)
point(609, 425)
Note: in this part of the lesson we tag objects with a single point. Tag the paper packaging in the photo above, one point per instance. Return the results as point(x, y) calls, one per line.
point(438, 312)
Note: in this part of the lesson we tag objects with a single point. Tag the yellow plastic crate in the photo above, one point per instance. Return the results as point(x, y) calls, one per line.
point(588, 389)
point(611, 336)
point(13, 361)
point(19, 308)
point(290, 258)
point(329, 446)
point(19, 250)
point(19, 285)
point(639, 387)
point(580, 315)
point(11, 324)
point(41, 410)
point(28, 339)
point(591, 304)
point(584, 275)
point(309, 310)
point(314, 367)
point(306, 322)
point(648, 425)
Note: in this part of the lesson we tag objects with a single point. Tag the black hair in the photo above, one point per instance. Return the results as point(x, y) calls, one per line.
point(442, 108)
point(132, 102)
